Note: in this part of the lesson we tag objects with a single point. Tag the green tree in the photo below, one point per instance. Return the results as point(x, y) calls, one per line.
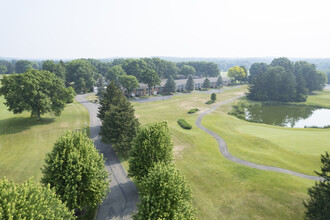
point(3, 69)
point(187, 70)
point(219, 82)
point(100, 87)
point(135, 67)
point(114, 73)
point(108, 99)
point(257, 69)
point(206, 83)
point(22, 65)
point(213, 97)
point(318, 203)
point(153, 144)
point(190, 84)
point(170, 86)
point(246, 78)
point(30, 201)
point(129, 83)
point(75, 169)
point(58, 69)
point(283, 62)
point(36, 91)
point(81, 75)
point(237, 73)
point(151, 78)
point(164, 194)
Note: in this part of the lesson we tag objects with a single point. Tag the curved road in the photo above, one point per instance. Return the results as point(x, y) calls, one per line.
point(224, 150)
point(122, 199)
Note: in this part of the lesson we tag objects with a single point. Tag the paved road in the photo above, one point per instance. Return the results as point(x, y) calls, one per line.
point(121, 201)
point(165, 97)
point(224, 150)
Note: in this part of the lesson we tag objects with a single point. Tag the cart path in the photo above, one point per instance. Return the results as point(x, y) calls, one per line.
point(224, 150)
point(121, 201)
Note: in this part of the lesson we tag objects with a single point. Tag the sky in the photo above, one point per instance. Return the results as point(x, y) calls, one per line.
point(68, 29)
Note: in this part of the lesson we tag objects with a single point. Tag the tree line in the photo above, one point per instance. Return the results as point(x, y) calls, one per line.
point(284, 80)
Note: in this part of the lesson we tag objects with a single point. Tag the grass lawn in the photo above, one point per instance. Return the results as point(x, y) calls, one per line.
point(224, 189)
point(24, 142)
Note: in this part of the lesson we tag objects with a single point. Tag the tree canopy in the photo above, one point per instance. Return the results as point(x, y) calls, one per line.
point(57, 68)
point(36, 91)
point(81, 75)
point(285, 82)
point(76, 170)
point(237, 73)
point(151, 78)
point(114, 73)
point(164, 194)
point(206, 83)
point(135, 67)
point(129, 83)
point(22, 65)
point(153, 144)
point(31, 201)
point(219, 82)
point(318, 203)
point(187, 70)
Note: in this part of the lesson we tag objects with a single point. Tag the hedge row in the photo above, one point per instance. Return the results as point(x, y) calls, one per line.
point(193, 110)
point(184, 124)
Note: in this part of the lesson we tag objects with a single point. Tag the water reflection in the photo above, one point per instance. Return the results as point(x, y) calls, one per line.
point(289, 116)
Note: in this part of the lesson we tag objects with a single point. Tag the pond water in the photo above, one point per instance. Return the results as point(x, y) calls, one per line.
point(289, 115)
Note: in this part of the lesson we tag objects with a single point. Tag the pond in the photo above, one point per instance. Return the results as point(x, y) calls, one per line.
point(289, 115)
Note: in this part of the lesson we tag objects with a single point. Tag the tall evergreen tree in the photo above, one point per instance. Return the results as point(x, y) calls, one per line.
point(119, 125)
point(112, 91)
point(219, 82)
point(190, 85)
point(206, 83)
point(100, 87)
point(318, 204)
point(170, 85)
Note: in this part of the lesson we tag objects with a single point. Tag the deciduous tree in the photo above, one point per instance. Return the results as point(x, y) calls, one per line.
point(153, 144)
point(187, 70)
point(22, 65)
point(114, 73)
point(151, 78)
point(36, 91)
point(81, 75)
point(31, 201)
point(164, 194)
point(237, 73)
point(129, 83)
point(75, 169)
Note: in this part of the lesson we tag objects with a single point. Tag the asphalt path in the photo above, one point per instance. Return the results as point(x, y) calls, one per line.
point(121, 201)
point(224, 150)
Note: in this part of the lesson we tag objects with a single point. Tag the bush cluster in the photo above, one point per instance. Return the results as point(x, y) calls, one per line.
point(184, 124)
point(209, 102)
point(193, 110)
point(239, 109)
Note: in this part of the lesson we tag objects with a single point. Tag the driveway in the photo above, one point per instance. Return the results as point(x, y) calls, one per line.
point(121, 201)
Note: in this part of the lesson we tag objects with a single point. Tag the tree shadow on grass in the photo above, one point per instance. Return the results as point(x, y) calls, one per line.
point(19, 124)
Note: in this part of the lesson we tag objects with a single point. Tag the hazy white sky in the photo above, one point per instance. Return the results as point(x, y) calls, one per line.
point(185, 28)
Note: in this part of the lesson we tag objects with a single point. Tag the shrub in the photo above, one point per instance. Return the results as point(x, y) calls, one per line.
point(209, 102)
point(239, 109)
point(184, 124)
point(213, 97)
point(193, 110)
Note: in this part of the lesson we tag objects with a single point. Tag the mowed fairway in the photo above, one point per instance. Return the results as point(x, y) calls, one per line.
point(24, 142)
point(223, 189)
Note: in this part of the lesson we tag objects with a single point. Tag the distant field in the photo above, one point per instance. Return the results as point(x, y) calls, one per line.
point(224, 189)
point(24, 142)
